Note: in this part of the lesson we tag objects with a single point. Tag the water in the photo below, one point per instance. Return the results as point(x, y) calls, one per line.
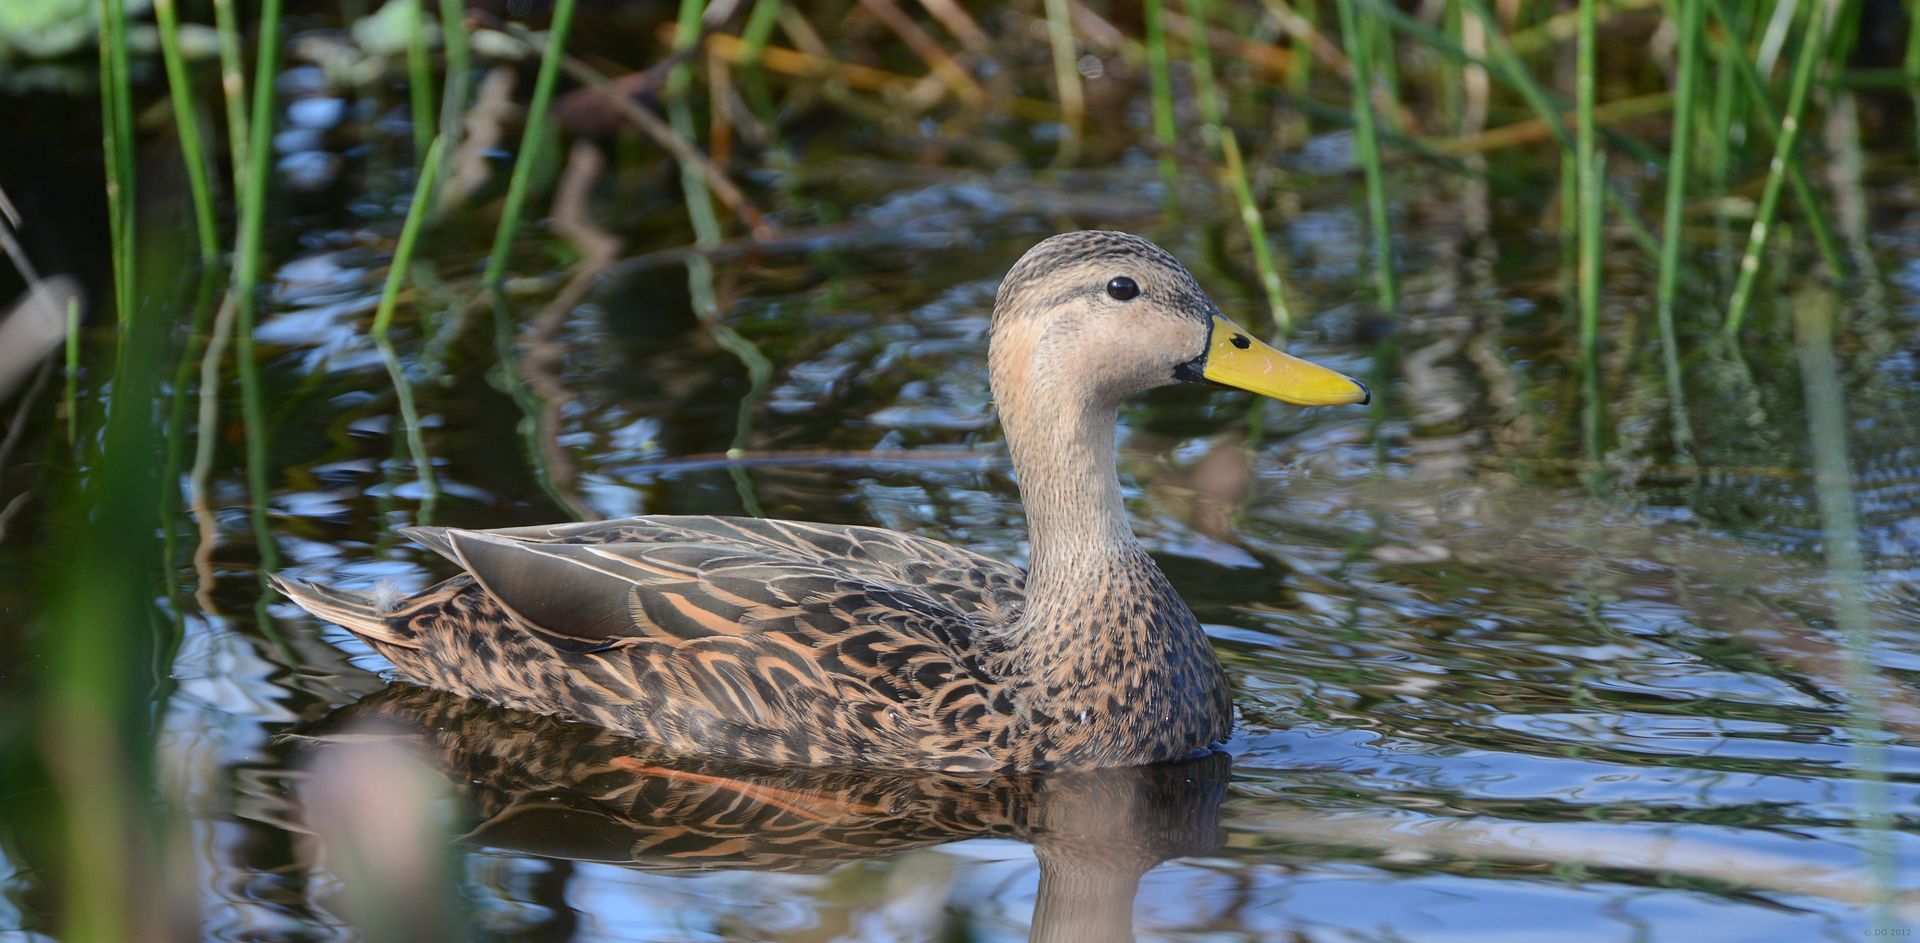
point(1490, 687)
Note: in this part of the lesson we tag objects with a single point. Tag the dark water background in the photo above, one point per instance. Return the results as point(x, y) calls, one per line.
point(1493, 686)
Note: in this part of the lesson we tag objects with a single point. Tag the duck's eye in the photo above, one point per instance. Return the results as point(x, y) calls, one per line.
point(1123, 289)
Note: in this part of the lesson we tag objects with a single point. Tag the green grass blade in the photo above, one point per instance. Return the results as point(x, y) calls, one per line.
point(419, 79)
point(1160, 81)
point(1066, 79)
point(1840, 540)
point(453, 99)
point(409, 232)
point(233, 89)
point(530, 140)
point(1366, 142)
point(1755, 90)
point(180, 92)
point(1812, 51)
point(246, 274)
point(1671, 235)
point(1592, 208)
point(116, 123)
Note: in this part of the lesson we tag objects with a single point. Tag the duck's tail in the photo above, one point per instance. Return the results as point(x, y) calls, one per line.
point(360, 613)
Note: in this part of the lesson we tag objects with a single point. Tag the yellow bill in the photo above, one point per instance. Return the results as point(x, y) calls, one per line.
point(1238, 359)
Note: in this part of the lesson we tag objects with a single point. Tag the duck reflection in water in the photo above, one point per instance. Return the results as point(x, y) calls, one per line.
point(541, 786)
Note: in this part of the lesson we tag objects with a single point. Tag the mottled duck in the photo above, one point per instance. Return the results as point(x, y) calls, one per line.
point(837, 645)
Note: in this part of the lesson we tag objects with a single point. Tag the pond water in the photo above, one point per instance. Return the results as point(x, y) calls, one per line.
point(1490, 687)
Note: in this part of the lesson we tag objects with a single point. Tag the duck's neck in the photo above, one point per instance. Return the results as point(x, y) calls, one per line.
point(1076, 522)
point(1104, 640)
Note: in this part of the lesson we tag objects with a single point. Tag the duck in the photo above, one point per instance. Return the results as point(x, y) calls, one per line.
point(836, 645)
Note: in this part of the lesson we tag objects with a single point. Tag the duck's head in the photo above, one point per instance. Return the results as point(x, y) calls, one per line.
point(1095, 317)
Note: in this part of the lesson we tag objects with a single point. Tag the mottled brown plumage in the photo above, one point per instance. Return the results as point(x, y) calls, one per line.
point(830, 645)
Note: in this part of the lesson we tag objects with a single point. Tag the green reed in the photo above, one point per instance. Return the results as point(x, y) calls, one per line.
point(1754, 87)
point(419, 79)
point(453, 99)
point(1066, 79)
point(1812, 51)
point(116, 122)
point(233, 89)
point(530, 140)
point(1679, 153)
point(1367, 144)
point(1221, 135)
point(1913, 71)
point(246, 275)
point(180, 92)
point(1160, 84)
point(1504, 63)
point(706, 234)
point(1588, 171)
point(758, 31)
point(417, 212)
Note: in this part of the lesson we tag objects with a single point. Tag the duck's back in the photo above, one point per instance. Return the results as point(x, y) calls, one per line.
point(765, 640)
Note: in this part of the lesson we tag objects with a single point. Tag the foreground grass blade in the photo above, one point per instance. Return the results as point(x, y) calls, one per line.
point(1840, 538)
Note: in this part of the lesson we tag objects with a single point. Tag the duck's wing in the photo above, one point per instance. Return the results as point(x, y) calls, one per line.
point(597, 584)
point(784, 643)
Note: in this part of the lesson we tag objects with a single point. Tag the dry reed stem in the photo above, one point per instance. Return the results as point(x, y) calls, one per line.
point(1535, 130)
point(960, 23)
point(807, 65)
point(653, 127)
point(950, 73)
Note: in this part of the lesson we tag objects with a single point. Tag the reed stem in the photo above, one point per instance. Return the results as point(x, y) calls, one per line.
point(1803, 192)
point(1160, 81)
point(1812, 51)
point(246, 275)
point(1366, 142)
point(1679, 154)
point(1066, 78)
point(116, 122)
point(409, 233)
point(759, 29)
point(180, 92)
point(453, 99)
point(419, 80)
point(1591, 219)
point(233, 89)
point(1217, 134)
point(530, 141)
